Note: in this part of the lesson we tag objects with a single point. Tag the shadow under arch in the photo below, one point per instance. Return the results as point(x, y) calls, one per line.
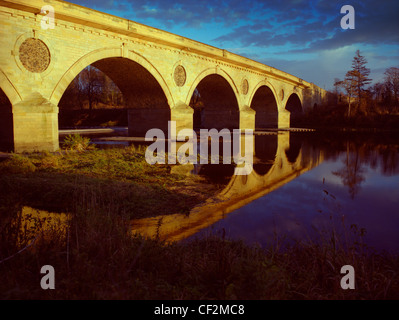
point(218, 101)
point(265, 153)
point(295, 146)
point(144, 90)
point(6, 123)
point(264, 102)
point(294, 106)
point(220, 174)
point(9, 96)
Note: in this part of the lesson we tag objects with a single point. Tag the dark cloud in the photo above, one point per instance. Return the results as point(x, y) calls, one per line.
point(311, 28)
point(192, 14)
point(307, 25)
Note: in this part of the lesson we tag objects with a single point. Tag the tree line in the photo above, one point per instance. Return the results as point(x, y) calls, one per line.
point(91, 88)
point(379, 98)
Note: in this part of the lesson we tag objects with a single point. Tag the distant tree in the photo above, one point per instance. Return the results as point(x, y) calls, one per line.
point(337, 90)
point(90, 84)
point(90, 87)
point(392, 83)
point(349, 86)
point(377, 91)
point(358, 76)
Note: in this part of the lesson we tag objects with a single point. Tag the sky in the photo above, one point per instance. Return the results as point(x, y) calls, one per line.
point(303, 38)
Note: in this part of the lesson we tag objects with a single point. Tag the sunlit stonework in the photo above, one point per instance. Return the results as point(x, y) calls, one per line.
point(148, 65)
point(34, 55)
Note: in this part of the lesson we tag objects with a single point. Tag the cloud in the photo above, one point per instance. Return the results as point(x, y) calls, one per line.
point(192, 14)
point(306, 25)
point(317, 27)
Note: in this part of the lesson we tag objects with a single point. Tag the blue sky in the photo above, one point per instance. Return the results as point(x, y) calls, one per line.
point(303, 38)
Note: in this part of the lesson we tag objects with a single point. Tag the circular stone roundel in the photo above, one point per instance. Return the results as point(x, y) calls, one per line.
point(180, 76)
point(34, 55)
point(244, 86)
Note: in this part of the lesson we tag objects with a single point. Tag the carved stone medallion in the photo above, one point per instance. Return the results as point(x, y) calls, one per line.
point(244, 86)
point(180, 76)
point(34, 55)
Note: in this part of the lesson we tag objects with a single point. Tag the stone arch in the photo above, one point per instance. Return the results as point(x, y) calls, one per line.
point(265, 103)
point(9, 90)
point(145, 92)
point(105, 53)
point(294, 106)
point(220, 106)
point(208, 72)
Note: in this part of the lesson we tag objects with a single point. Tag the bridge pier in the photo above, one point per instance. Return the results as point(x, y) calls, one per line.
point(247, 118)
point(283, 118)
point(35, 122)
point(140, 120)
point(183, 115)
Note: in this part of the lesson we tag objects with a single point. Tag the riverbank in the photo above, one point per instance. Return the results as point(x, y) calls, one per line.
point(95, 255)
point(335, 119)
point(119, 178)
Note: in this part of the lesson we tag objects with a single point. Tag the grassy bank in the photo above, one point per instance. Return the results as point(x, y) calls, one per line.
point(117, 178)
point(96, 256)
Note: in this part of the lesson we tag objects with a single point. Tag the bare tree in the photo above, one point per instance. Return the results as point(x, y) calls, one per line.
point(91, 84)
point(349, 86)
point(392, 82)
point(378, 91)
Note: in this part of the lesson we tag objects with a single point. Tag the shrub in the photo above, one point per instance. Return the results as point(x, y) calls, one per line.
point(109, 124)
point(17, 164)
point(77, 142)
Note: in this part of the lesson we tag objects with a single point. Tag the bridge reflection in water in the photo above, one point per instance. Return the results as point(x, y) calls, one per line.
point(279, 157)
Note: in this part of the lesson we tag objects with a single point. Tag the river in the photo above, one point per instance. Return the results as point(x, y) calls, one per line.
point(303, 185)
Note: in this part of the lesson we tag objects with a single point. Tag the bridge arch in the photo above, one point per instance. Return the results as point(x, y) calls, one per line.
point(264, 101)
point(220, 107)
point(104, 53)
point(9, 90)
point(142, 86)
point(211, 71)
point(294, 106)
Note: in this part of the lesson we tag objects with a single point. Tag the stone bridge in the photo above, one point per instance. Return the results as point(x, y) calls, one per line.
point(156, 71)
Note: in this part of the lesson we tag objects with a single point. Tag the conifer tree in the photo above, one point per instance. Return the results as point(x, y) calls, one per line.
point(358, 76)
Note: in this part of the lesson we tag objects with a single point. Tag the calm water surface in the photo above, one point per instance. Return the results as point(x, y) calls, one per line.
point(304, 184)
point(356, 183)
